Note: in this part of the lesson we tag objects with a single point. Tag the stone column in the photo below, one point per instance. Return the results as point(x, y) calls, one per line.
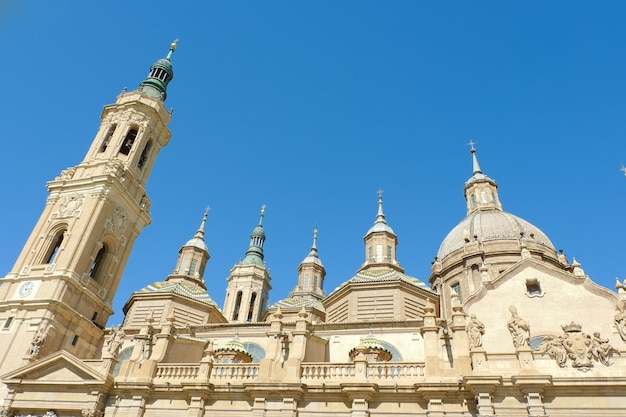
point(430, 333)
point(460, 343)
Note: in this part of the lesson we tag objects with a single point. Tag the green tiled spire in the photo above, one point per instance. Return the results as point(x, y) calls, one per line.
point(161, 73)
point(254, 254)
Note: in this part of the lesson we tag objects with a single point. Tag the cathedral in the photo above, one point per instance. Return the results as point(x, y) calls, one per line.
point(505, 325)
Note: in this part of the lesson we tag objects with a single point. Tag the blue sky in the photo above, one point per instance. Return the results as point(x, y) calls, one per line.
point(310, 106)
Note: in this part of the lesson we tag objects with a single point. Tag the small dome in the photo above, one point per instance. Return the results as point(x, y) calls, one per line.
point(197, 242)
point(380, 227)
point(488, 226)
point(258, 231)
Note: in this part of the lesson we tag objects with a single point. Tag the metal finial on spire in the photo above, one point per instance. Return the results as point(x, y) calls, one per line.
point(380, 217)
point(476, 167)
point(200, 232)
point(314, 238)
point(262, 214)
point(623, 169)
point(172, 48)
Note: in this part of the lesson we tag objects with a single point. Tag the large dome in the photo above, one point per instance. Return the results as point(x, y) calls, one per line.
point(490, 225)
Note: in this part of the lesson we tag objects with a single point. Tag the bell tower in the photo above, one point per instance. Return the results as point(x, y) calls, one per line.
point(58, 296)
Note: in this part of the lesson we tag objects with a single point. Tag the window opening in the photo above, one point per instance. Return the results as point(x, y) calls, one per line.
point(473, 198)
point(306, 283)
point(237, 306)
point(457, 289)
point(96, 267)
point(144, 154)
point(251, 308)
point(389, 258)
point(75, 340)
point(128, 141)
point(54, 250)
point(7, 323)
point(533, 287)
point(107, 138)
point(192, 268)
point(379, 253)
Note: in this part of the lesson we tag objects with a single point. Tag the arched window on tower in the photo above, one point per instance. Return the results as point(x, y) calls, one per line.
point(127, 144)
point(251, 308)
point(144, 154)
point(107, 138)
point(237, 306)
point(97, 265)
point(53, 250)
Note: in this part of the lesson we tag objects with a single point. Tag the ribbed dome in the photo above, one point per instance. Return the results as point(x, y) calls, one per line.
point(488, 226)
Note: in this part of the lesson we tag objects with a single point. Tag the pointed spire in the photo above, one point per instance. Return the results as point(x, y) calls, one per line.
point(161, 73)
point(476, 167)
point(481, 192)
point(314, 246)
point(254, 254)
point(380, 225)
point(200, 232)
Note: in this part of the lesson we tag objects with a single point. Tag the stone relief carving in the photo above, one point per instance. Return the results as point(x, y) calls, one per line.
point(116, 169)
point(36, 344)
point(475, 331)
point(118, 221)
point(519, 329)
point(577, 347)
point(88, 412)
point(70, 206)
point(620, 319)
point(66, 174)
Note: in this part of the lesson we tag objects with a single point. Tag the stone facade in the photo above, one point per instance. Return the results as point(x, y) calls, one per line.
point(504, 326)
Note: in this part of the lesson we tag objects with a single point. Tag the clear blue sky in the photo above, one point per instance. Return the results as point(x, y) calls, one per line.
point(310, 106)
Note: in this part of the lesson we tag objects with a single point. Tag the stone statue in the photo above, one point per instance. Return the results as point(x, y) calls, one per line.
point(519, 329)
point(553, 347)
point(475, 331)
point(601, 350)
point(114, 343)
point(35, 345)
point(620, 319)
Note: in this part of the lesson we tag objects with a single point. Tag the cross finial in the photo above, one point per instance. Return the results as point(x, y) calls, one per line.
point(623, 169)
point(380, 193)
point(172, 48)
point(206, 210)
point(471, 143)
point(262, 214)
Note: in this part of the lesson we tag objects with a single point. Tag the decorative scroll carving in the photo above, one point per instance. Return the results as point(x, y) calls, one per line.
point(70, 206)
point(475, 331)
point(519, 329)
point(577, 347)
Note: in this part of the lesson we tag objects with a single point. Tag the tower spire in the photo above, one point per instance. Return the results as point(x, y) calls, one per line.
point(481, 192)
point(254, 254)
point(161, 73)
point(475, 166)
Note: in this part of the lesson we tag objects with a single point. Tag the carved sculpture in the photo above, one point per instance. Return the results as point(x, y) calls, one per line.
point(620, 319)
point(519, 329)
point(114, 343)
point(475, 331)
point(577, 347)
point(38, 341)
point(69, 205)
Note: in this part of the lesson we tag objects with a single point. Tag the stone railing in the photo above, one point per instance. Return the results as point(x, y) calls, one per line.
point(234, 371)
point(323, 371)
point(311, 372)
point(395, 371)
point(174, 371)
point(376, 371)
